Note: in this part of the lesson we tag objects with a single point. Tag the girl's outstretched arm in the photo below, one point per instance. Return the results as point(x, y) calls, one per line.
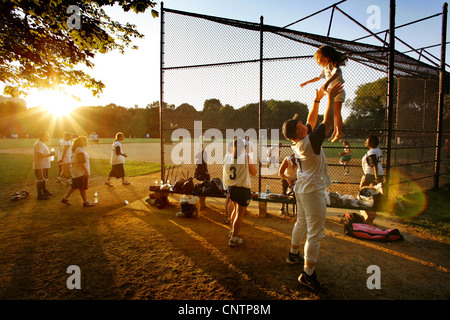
point(309, 81)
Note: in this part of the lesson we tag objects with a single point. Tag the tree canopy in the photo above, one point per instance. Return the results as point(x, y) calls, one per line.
point(40, 47)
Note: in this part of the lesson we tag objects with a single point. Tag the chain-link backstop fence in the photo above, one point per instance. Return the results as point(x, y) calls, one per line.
point(222, 78)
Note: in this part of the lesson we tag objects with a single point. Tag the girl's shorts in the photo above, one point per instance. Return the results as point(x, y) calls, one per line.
point(80, 183)
point(240, 195)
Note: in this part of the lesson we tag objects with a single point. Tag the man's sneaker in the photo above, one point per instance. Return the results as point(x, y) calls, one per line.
point(233, 243)
point(311, 282)
point(88, 204)
point(294, 258)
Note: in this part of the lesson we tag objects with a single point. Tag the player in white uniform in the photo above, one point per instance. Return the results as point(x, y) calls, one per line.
point(41, 164)
point(237, 169)
point(372, 163)
point(312, 180)
point(65, 157)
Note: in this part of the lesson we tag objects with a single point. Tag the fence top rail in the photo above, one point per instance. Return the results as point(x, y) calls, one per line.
point(354, 50)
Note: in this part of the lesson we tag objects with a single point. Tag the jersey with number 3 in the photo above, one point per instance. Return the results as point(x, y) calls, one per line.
point(235, 171)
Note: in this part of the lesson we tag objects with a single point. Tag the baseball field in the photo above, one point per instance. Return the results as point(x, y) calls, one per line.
point(128, 250)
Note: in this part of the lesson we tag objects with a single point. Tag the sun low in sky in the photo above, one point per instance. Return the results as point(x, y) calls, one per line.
point(56, 102)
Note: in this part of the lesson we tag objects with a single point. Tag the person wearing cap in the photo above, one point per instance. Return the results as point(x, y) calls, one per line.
point(312, 180)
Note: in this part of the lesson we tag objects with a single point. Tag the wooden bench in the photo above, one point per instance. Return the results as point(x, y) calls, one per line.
point(260, 198)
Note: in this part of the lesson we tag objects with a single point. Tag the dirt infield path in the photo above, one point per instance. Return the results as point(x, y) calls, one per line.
point(136, 251)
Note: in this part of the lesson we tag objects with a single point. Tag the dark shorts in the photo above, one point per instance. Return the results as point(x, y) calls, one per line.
point(117, 171)
point(80, 183)
point(240, 195)
point(41, 174)
point(346, 158)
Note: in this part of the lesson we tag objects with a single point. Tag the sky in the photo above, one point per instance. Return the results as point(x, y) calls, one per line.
point(132, 79)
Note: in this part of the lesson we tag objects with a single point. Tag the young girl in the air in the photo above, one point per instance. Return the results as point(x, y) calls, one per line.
point(331, 61)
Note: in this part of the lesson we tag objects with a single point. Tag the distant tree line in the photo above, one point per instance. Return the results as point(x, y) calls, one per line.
point(414, 111)
point(15, 118)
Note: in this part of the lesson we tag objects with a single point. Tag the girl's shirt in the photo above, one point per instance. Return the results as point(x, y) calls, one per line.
point(327, 73)
point(115, 158)
point(77, 169)
point(236, 172)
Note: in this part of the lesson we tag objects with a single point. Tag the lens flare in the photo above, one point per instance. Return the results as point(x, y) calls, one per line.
point(405, 205)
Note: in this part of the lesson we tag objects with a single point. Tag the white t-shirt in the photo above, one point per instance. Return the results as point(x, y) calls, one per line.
point(115, 158)
point(236, 172)
point(290, 172)
point(327, 73)
point(68, 157)
point(41, 163)
point(368, 169)
point(77, 167)
point(312, 172)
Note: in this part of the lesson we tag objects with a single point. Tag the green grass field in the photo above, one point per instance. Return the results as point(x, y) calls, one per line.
point(17, 168)
point(435, 219)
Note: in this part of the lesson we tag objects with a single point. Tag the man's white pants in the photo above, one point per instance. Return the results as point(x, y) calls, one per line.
point(311, 216)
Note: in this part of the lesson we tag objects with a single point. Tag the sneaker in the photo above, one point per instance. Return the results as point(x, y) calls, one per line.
point(294, 258)
point(311, 282)
point(88, 204)
point(125, 183)
point(234, 243)
point(65, 201)
point(109, 183)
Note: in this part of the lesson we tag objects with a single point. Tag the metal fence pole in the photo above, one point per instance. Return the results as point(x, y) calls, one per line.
point(261, 56)
point(161, 99)
point(442, 88)
point(390, 93)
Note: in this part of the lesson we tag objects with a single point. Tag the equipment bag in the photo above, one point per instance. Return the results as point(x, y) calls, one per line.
point(188, 186)
point(368, 232)
point(351, 217)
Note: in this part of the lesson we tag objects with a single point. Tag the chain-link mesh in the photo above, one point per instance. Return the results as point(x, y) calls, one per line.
point(212, 81)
